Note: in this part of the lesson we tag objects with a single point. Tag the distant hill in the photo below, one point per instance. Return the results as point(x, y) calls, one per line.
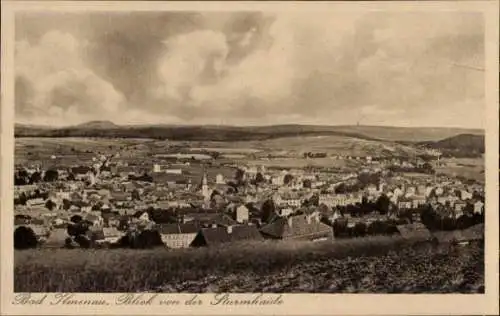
point(233, 133)
point(97, 125)
point(462, 145)
point(410, 134)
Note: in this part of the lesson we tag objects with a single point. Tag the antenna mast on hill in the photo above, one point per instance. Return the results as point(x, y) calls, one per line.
point(361, 117)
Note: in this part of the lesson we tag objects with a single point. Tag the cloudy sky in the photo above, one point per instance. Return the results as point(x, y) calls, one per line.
point(250, 68)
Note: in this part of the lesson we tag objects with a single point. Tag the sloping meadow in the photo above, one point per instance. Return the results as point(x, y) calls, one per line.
point(374, 264)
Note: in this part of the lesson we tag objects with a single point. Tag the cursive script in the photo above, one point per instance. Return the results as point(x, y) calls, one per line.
point(260, 299)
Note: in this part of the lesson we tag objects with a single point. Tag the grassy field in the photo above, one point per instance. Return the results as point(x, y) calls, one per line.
point(470, 168)
point(375, 264)
point(71, 151)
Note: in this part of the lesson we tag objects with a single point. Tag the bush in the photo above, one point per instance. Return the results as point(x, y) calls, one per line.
point(25, 238)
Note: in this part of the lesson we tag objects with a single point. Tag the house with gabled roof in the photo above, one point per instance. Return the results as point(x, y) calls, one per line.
point(215, 236)
point(299, 227)
point(41, 232)
point(178, 235)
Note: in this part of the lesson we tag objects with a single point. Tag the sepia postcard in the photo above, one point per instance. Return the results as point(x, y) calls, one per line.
point(250, 158)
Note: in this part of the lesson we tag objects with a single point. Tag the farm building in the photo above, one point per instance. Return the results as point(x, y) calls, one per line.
point(220, 235)
point(298, 227)
point(178, 235)
point(41, 232)
point(242, 214)
point(105, 235)
point(208, 219)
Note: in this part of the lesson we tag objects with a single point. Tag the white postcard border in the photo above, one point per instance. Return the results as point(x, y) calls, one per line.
point(294, 304)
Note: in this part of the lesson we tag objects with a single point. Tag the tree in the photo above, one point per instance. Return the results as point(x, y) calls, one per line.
point(136, 195)
point(314, 200)
point(83, 241)
point(66, 204)
point(76, 219)
point(428, 217)
point(22, 199)
point(307, 183)
point(50, 205)
point(68, 243)
point(24, 238)
point(288, 178)
point(259, 178)
point(19, 180)
point(239, 176)
point(21, 177)
point(427, 168)
point(383, 204)
point(359, 229)
point(35, 177)
point(145, 239)
point(268, 210)
point(51, 175)
point(215, 154)
point(340, 228)
point(77, 229)
point(341, 188)
point(464, 222)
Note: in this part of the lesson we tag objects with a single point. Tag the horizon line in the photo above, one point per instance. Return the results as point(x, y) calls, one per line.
point(229, 125)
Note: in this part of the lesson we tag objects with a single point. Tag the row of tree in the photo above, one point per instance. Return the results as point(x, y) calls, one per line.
point(22, 177)
point(434, 221)
point(78, 236)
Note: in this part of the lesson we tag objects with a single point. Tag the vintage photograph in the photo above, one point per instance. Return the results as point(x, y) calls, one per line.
point(322, 151)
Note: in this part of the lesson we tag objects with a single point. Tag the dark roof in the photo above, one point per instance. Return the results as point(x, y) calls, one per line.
point(187, 228)
point(80, 170)
point(245, 232)
point(21, 221)
point(138, 214)
point(168, 177)
point(300, 227)
point(238, 233)
point(213, 218)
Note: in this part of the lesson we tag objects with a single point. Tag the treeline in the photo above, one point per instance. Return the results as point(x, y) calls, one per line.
point(460, 146)
point(314, 155)
point(435, 222)
point(80, 236)
point(189, 133)
point(361, 229)
point(426, 168)
point(22, 177)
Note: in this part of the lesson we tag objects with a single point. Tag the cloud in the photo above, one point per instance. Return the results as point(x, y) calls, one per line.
point(190, 60)
point(255, 67)
point(56, 86)
point(260, 84)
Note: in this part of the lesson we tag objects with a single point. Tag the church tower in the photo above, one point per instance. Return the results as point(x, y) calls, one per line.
point(204, 186)
point(205, 192)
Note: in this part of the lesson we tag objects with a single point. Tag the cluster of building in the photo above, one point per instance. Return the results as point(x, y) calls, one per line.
point(207, 207)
